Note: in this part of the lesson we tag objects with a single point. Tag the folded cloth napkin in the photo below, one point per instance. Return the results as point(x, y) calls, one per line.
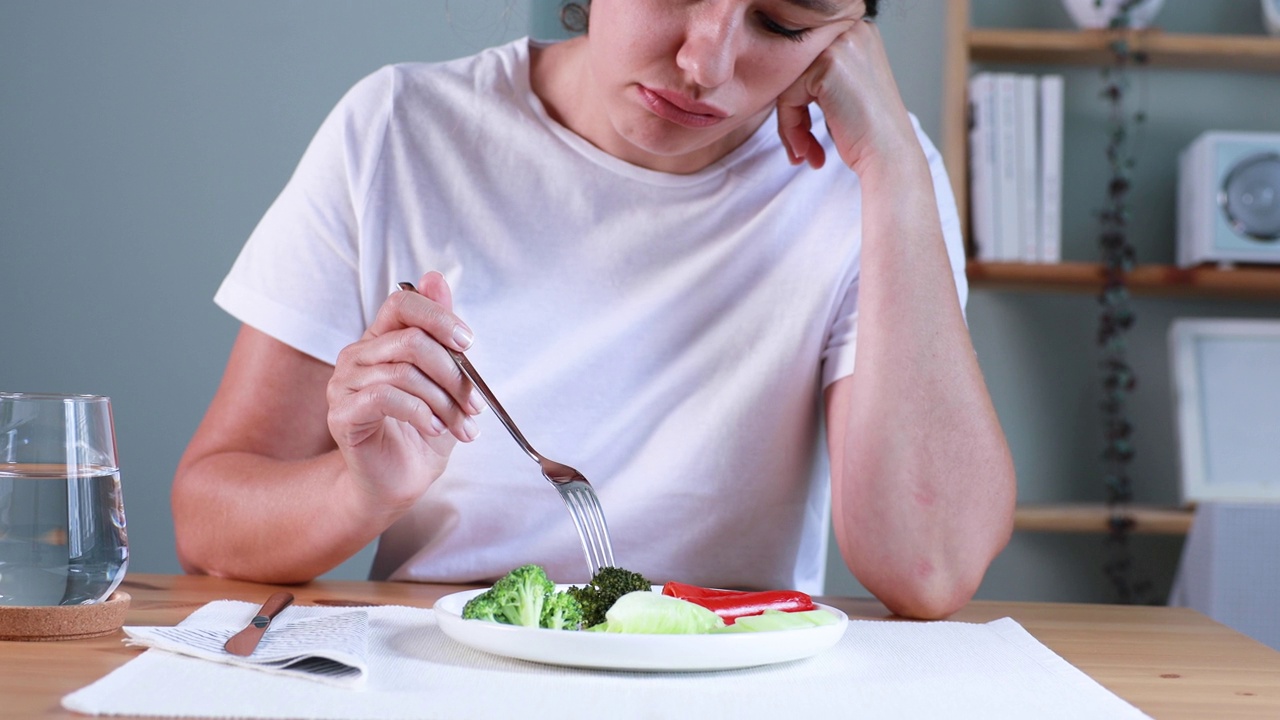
point(879, 669)
point(313, 643)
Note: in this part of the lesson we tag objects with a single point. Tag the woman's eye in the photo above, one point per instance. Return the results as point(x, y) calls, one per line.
point(773, 27)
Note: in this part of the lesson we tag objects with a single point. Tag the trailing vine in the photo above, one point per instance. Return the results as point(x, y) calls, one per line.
point(1117, 315)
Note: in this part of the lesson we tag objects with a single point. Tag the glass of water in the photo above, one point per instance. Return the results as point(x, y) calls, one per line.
point(62, 528)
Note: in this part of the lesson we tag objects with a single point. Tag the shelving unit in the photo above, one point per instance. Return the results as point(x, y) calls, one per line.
point(1155, 280)
point(1094, 518)
point(967, 45)
point(1172, 50)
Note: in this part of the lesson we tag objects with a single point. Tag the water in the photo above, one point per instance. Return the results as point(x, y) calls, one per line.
point(62, 539)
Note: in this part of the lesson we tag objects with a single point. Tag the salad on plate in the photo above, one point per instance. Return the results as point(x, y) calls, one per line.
point(619, 621)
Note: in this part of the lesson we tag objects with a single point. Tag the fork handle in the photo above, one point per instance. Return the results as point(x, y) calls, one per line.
point(470, 371)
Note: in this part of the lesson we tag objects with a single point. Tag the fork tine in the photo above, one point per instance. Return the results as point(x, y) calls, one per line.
point(596, 521)
point(588, 520)
point(580, 524)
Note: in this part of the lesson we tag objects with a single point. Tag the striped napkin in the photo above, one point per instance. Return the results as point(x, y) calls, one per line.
point(311, 643)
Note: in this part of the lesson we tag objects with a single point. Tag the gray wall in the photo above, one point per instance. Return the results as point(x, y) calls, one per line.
point(141, 140)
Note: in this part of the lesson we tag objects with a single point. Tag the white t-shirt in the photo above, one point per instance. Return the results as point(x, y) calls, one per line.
point(667, 335)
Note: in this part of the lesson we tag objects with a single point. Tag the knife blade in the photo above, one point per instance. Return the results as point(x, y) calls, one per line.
point(244, 642)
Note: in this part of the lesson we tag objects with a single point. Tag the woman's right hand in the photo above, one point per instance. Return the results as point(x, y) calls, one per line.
point(397, 402)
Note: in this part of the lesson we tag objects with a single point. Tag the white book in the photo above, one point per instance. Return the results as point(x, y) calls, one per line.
point(1028, 169)
point(1051, 119)
point(982, 166)
point(1006, 153)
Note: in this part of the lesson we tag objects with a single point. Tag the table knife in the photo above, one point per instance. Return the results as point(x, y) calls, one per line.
point(244, 642)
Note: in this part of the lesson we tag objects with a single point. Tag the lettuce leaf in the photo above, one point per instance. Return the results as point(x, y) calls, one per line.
point(652, 613)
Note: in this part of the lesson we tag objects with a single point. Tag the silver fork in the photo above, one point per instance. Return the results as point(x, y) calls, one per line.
point(578, 495)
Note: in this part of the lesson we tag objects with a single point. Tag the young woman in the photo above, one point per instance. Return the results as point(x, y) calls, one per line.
point(661, 242)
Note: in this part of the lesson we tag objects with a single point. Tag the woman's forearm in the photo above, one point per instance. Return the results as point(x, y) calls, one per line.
point(923, 481)
point(263, 519)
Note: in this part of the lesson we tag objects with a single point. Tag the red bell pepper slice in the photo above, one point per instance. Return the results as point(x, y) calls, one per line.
point(733, 604)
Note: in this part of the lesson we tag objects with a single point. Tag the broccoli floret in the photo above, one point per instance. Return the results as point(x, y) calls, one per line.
point(521, 594)
point(483, 607)
point(561, 612)
point(609, 584)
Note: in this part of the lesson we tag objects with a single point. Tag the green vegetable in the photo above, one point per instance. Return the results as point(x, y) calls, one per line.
point(779, 620)
point(561, 612)
point(652, 613)
point(525, 596)
point(609, 584)
point(483, 607)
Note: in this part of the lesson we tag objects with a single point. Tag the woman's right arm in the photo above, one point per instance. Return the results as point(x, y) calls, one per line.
point(298, 464)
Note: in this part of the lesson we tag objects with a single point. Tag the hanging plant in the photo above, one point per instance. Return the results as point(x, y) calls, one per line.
point(1117, 315)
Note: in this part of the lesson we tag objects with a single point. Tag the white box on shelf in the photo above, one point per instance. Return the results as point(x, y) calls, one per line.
point(1229, 199)
point(1227, 402)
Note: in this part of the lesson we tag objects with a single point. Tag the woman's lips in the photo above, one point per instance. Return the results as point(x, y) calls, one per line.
point(681, 109)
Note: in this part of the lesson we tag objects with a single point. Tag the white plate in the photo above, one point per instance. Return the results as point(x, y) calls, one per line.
point(619, 651)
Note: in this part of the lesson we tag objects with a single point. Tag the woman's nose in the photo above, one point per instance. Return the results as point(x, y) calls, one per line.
point(707, 54)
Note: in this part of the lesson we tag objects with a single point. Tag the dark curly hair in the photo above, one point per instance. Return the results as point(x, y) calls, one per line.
point(573, 15)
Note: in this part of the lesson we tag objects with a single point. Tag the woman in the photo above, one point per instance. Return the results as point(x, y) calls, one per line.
point(665, 238)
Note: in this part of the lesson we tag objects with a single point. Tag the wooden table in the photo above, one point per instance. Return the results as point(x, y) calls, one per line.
point(1170, 662)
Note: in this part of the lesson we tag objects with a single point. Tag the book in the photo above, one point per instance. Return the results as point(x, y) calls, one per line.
point(1051, 120)
point(1009, 248)
point(1027, 151)
point(982, 148)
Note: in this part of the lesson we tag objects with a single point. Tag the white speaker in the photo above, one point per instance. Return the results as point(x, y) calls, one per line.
point(1229, 199)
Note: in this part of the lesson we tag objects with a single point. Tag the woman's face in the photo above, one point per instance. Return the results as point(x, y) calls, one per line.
point(683, 82)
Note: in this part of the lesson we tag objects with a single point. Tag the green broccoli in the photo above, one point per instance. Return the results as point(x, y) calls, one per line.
point(609, 584)
point(483, 607)
point(561, 612)
point(521, 593)
point(528, 597)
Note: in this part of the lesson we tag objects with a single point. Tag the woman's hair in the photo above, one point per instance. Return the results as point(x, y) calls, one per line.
point(573, 15)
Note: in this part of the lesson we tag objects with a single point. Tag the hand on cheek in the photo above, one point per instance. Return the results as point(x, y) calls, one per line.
point(853, 84)
point(795, 127)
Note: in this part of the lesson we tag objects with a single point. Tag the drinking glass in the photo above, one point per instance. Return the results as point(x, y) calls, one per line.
point(62, 527)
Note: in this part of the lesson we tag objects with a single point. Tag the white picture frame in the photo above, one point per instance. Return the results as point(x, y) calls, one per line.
point(1226, 378)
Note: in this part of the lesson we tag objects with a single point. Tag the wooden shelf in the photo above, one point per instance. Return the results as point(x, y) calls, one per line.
point(1245, 53)
point(967, 45)
point(1094, 518)
point(1240, 282)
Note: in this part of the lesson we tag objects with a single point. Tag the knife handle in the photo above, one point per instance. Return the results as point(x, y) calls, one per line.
point(244, 642)
point(271, 608)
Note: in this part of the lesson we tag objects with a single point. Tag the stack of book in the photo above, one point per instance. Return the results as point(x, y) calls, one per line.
point(1015, 166)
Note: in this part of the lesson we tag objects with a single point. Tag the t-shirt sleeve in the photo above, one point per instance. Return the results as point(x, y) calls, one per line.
point(838, 354)
point(297, 277)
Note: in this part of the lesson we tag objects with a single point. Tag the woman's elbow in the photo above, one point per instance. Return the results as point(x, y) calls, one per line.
point(933, 588)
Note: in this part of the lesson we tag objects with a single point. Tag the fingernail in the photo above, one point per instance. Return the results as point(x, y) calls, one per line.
point(470, 429)
point(437, 425)
point(462, 336)
point(477, 402)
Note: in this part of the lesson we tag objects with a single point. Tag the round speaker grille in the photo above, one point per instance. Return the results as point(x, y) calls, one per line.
point(1250, 197)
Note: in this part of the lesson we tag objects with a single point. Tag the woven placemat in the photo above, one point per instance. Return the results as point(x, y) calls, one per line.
point(63, 622)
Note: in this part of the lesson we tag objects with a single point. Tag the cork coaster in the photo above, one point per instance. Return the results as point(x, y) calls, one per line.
point(64, 622)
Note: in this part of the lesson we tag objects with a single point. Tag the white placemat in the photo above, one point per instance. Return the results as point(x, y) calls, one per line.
point(880, 669)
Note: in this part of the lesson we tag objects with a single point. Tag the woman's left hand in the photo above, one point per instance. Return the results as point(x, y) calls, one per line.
point(853, 84)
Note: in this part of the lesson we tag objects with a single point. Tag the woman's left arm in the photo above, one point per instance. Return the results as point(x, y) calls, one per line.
point(923, 484)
